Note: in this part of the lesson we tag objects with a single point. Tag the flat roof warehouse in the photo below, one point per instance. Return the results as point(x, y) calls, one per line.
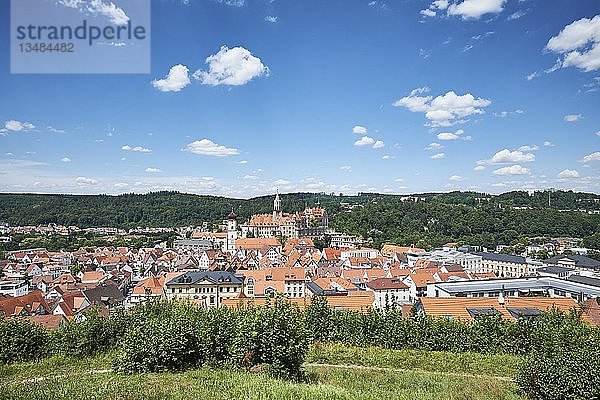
point(84, 31)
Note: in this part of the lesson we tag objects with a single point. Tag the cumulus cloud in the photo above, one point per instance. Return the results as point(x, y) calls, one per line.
point(512, 170)
point(114, 14)
point(568, 173)
point(595, 156)
point(282, 182)
point(207, 147)
point(361, 130)
point(65, 159)
point(18, 126)
point(83, 181)
point(235, 66)
point(456, 178)
point(137, 149)
point(120, 185)
point(438, 156)
point(529, 148)
point(434, 146)
point(443, 110)
point(578, 45)
point(479, 168)
point(271, 18)
point(346, 168)
point(378, 144)
point(453, 136)
point(152, 170)
point(475, 9)
point(506, 156)
point(573, 117)
point(176, 79)
point(364, 141)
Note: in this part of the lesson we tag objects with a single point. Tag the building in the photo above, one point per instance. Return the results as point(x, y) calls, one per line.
point(195, 245)
point(311, 223)
point(510, 308)
point(537, 286)
point(14, 288)
point(206, 288)
point(576, 261)
point(389, 292)
point(231, 232)
point(506, 265)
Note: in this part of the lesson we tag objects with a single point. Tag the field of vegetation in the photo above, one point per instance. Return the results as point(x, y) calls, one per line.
point(175, 350)
point(333, 371)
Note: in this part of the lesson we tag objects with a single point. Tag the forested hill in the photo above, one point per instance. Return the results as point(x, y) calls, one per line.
point(435, 218)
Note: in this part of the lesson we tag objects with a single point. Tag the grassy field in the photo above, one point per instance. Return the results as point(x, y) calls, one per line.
point(333, 372)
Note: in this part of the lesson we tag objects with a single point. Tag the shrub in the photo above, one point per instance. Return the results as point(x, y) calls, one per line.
point(21, 341)
point(562, 373)
point(91, 336)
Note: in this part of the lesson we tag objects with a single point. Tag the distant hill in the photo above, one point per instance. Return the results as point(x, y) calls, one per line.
point(429, 218)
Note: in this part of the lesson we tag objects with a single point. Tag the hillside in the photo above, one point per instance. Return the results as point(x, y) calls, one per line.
point(436, 218)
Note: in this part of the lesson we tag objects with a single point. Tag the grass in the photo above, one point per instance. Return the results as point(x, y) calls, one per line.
point(428, 375)
point(433, 361)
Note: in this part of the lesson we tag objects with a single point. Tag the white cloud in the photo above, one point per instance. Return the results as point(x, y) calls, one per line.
point(120, 185)
point(82, 180)
point(568, 173)
point(346, 168)
point(152, 170)
point(450, 136)
point(516, 15)
point(236, 66)
point(364, 141)
point(65, 159)
point(579, 45)
point(533, 75)
point(176, 79)
point(18, 126)
point(387, 157)
point(443, 110)
point(548, 144)
point(137, 149)
point(479, 168)
point(271, 18)
point(573, 117)
point(438, 156)
point(509, 157)
point(378, 144)
point(114, 14)
point(512, 170)
point(595, 156)
point(456, 178)
point(282, 182)
point(361, 130)
point(207, 147)
point(428, 13)
point(474, 9)
point(529, 148)
point(55, 130)
point(597, 133)
point(434, 146)
point(250, 177)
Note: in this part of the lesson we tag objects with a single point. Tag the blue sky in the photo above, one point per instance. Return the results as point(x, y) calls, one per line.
point(248, 96)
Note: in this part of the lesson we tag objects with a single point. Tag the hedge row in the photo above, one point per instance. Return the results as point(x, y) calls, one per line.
point(562, 354)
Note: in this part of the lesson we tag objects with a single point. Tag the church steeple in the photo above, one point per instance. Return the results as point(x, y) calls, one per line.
point(276, 207)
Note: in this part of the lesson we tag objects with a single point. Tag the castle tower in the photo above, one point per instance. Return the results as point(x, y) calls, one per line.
point(231, 232)
point(276, 208)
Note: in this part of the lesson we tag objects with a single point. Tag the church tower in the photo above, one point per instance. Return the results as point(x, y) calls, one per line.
point(231, 232)
point(276, 208)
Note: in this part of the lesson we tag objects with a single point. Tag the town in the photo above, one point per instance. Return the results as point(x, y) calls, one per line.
point(275, 254)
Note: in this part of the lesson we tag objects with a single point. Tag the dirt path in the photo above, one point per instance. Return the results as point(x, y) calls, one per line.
point(370, 368)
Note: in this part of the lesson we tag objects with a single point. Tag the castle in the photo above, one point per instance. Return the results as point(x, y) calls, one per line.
point(311, 223)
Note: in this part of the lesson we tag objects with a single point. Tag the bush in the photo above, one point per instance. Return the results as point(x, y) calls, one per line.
point(94, 335)
point(562, 373)
point(21, 341)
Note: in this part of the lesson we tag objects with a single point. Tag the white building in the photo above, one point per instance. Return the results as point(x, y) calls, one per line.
point(14, 288)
